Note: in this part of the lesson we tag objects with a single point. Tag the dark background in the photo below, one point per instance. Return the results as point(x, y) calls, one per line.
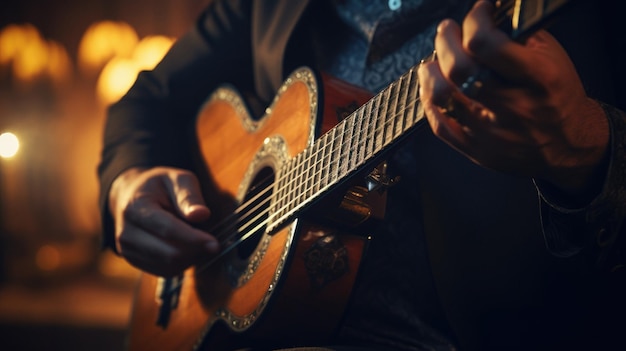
point(58, 289)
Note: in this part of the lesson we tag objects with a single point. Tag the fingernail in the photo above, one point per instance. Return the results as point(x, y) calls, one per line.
point(199, 212)
point(191, 208)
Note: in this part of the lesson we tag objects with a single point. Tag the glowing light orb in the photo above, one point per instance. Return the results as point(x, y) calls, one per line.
point(9, 145)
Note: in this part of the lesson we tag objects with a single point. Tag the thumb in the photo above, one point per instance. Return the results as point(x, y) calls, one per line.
point(188, 197)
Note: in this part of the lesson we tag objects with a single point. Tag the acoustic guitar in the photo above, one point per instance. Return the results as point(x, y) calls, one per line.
point(287, 269)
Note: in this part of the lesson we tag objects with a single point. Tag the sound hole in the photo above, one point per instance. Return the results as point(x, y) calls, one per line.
point(255, 214)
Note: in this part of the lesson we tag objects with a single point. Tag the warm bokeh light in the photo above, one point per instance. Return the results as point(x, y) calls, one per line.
point(9, 145)
point(104, 40)
point(31, 56)
point(151, 50)
point(120, 73)
point(59, 62)
point(12, 40)
point(115, 80)
point(31, 59)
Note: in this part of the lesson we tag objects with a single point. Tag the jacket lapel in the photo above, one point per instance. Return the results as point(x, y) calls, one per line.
point(272, 25)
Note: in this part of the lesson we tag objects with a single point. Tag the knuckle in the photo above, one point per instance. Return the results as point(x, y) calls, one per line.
point(136, 211)
point(478, 43)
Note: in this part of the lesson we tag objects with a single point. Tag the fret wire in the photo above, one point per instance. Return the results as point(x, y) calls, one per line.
point(307, 173)
point(382, 116)
point(284, 193)
point(350, 122)
point(296, 182)
point(367, 119)
point(389, 131)
point(372, 125)
point(296, 164)
point(310, 171)
point(307, 183)
point(412, 95)
point(339, 144)
point(334, 171)
point(389, 110)
point(325, 158)
point(344, 144)
point(400, 120)
point(296, 191)
point(316, 168)
point(360, 154)
point(297, 179)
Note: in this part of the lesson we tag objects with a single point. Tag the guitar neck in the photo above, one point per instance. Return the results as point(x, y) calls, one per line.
point(359, 139)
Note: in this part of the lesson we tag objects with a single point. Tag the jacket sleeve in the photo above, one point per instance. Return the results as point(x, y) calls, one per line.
point(150, 125)
point(597, 228)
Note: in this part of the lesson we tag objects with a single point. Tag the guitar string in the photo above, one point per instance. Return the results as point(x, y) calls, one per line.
point(267, 180)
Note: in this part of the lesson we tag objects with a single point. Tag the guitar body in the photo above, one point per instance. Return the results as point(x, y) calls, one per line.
point(286, 287)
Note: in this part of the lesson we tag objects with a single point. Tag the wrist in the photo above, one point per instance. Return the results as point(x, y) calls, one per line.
point(579, 174)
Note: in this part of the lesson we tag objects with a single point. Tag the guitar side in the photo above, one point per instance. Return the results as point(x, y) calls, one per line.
point(281, 289)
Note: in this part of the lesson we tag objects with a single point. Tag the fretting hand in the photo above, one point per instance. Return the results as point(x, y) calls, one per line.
point(532, 117)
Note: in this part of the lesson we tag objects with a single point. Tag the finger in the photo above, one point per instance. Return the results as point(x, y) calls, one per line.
point(492, 47)
point(149, 216)
point(433, 86)
point(455, 63)
point(187, 196)
point(434, 90)
point(153, 254)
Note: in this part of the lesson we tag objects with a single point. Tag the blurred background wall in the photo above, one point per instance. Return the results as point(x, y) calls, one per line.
point(61, 64)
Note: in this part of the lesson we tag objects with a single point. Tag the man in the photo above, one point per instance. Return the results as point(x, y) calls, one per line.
point(460, 259)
